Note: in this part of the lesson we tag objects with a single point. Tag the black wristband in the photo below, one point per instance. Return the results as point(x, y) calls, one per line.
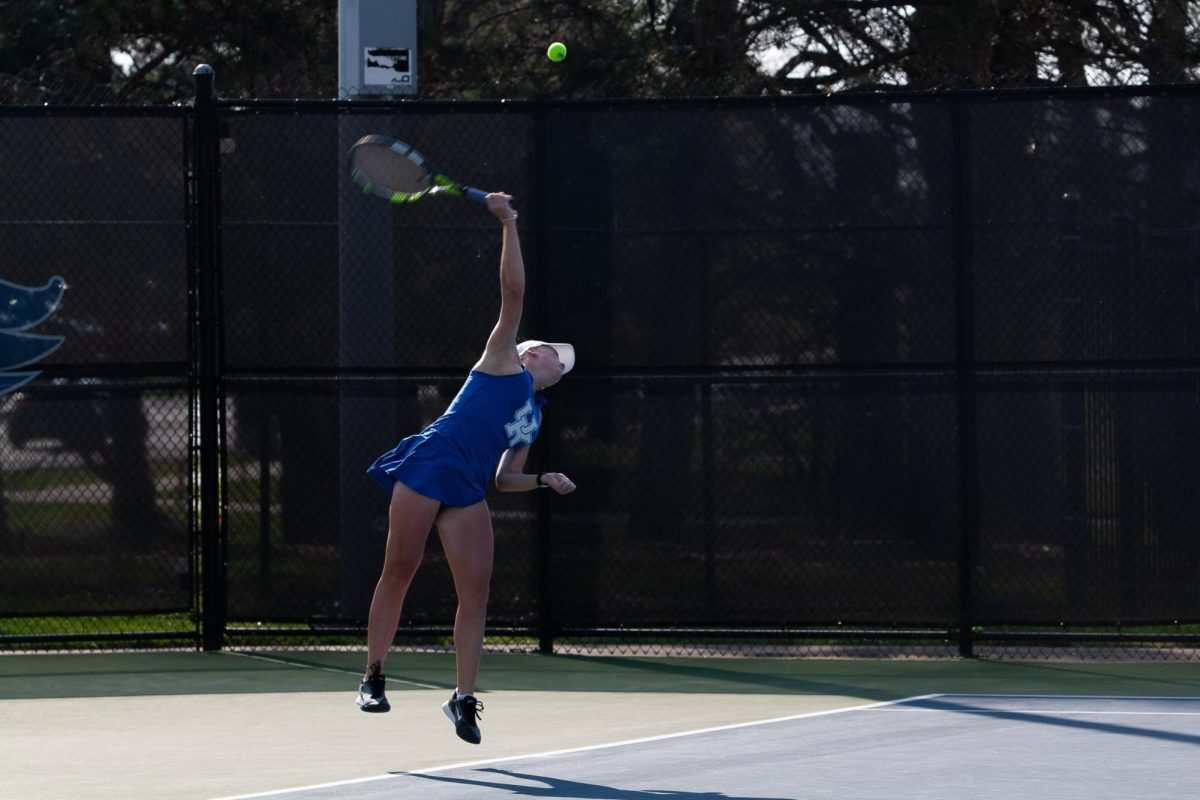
point(541, 482)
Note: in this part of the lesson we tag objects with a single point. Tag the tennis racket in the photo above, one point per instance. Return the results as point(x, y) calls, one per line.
point(393, 170)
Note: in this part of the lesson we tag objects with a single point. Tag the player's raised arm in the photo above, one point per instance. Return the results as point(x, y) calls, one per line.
point(500, 354)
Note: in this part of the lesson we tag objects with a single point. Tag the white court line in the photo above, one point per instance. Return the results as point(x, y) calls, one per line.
point(1154, 697)
point(549, 753)
point(1045, 711)
point(286, 663)
point(1048, 711)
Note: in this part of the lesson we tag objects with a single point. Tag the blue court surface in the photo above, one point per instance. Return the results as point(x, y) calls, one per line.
point(960, 746)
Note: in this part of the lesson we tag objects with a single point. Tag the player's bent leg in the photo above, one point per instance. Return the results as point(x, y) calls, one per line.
point(410, 518)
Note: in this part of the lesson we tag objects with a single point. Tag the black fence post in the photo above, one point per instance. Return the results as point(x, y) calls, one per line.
point(965, 378)
point(546, 619)
point(212, 545)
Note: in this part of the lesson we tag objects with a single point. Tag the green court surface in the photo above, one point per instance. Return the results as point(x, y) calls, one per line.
point(215, 725)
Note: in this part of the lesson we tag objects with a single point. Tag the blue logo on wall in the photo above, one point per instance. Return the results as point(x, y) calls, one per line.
point(21, 308)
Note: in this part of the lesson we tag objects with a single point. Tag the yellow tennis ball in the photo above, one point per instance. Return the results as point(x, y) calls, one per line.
point(556, 51)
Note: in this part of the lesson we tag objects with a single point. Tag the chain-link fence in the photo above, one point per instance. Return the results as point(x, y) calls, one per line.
point(95, 537)
point(856, 376)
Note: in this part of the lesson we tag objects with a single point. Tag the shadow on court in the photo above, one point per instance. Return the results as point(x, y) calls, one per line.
point(734, 676)
point(544, 786)
point(942, 704)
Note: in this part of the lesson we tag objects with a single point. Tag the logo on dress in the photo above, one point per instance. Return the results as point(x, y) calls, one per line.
point(523, 427)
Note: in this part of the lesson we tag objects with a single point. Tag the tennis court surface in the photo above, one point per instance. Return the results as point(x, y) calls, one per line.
point(941, 746)
point(206, 726)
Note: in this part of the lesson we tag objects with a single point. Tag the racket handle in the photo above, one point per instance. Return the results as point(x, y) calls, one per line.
point(475, 194)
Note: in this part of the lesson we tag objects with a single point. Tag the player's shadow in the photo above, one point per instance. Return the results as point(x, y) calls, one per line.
point(545, 786)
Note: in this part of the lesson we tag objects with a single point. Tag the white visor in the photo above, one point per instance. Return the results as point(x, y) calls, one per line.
point(566, 352)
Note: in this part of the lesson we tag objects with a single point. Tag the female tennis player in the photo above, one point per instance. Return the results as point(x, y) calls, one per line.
point(439, 477)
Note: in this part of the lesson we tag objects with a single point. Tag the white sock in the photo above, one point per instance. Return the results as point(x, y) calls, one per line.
point(459, 695)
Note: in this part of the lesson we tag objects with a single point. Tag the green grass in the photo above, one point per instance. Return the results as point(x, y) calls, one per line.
point(135, 626)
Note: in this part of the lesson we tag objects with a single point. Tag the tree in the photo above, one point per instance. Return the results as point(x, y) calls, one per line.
point(829, 46)
point(143, 51)
point(127, 51)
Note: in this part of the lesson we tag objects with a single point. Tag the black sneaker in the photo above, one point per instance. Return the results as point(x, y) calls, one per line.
point(462, 712)
point(370, 693)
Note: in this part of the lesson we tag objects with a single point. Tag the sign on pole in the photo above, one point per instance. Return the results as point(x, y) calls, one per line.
point(377, 47)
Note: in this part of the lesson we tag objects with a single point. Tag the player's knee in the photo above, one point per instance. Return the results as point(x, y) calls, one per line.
point(399, 573)
point(473, 593)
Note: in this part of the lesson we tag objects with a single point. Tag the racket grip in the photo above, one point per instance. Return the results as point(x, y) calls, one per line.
point(475, 194)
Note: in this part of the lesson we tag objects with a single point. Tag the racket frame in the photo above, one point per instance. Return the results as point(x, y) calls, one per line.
point(436, 182)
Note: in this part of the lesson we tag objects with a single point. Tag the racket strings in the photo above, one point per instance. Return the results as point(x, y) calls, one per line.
point(383, 169)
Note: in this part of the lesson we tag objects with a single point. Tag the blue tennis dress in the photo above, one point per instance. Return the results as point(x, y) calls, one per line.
point(455, 456)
